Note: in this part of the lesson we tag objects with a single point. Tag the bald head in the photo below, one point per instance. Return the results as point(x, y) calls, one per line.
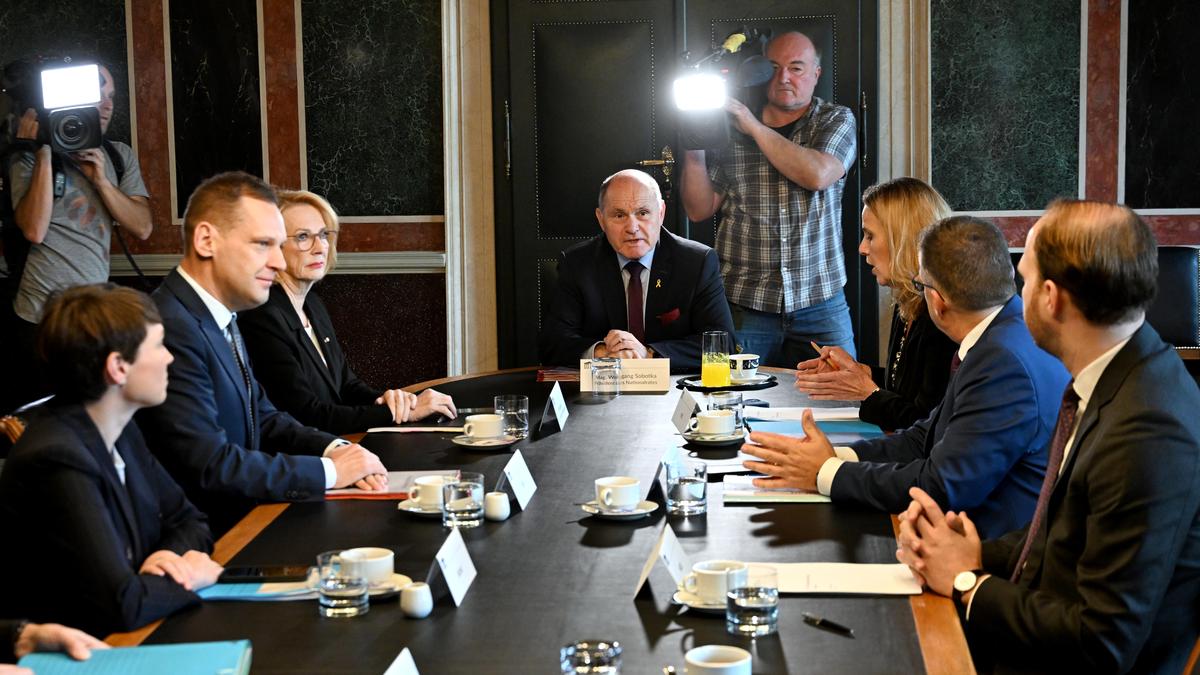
point(631, 212)
point(796, 41)
point(635, 175)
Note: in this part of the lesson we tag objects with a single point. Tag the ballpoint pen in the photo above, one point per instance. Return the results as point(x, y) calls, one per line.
point(818, 622)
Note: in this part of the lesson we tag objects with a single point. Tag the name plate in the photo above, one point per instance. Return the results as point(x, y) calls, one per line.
point(403, 665)
point(519, 478)
point(636, 375)
point(668, 551)
point(685, 410)
point(457, 567)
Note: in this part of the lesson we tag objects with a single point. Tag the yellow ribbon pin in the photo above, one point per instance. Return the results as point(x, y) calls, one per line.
point(658, 283)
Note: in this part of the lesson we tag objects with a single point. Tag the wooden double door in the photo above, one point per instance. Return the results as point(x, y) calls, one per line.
point(582, 89)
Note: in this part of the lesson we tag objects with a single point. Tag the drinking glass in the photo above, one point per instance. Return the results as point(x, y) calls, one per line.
point(752, 602)
point(687, 486)
point(728, 400)
point(591, 656)
point(714, 358)
point(339, 595)
point(606, 378)
point(462, 500)
point(514, 408)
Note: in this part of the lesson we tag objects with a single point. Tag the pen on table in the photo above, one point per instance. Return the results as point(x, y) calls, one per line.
point(818, 622)
point(826, 360)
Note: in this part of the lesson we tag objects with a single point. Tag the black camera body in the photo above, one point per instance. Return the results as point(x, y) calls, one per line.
point(70, 126)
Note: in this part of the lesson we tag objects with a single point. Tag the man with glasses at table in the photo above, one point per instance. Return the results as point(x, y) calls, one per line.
point(984, 446)
point(1106, 577)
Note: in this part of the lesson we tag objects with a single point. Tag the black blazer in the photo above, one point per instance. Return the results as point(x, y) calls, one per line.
point(1112, 583)
point(920, 376)
point(77, 536)
point(203, 435)
point(329, 397)
point(686, 297)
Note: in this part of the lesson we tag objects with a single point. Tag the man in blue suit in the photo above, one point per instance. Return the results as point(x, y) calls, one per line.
point(217, 433)
point(984, 447)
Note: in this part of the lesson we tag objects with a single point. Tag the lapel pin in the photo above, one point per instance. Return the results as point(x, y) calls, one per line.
point(658, 283)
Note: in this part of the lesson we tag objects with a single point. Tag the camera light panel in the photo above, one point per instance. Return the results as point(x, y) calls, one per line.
point(71, 86)
point(701, 91)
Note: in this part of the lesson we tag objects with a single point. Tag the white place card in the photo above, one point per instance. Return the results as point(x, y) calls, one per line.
point(671, 554)
point(685, 409)
point(455, 563)
point(560, 406)
point(636, 375)
point(517, 473)
point(403, 665)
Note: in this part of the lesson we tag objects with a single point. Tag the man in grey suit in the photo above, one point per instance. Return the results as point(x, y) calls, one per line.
point(1106, 578)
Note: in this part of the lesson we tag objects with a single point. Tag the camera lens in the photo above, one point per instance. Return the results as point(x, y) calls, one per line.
point(71, 129)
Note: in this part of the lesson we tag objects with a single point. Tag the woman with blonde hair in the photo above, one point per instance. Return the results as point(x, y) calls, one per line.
point(918, 363)
point(295, 352)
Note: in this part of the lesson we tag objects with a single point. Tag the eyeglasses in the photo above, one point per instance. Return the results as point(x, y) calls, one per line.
point(922, 286)
point(305, 240)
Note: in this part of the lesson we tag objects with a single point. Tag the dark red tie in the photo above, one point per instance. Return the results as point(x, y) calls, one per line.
point(1062, 432)
point(954, 364)
point(633, 300)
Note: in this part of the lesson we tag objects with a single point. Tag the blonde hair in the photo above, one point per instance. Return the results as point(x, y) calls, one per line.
point(905, 207)
point(290, 198)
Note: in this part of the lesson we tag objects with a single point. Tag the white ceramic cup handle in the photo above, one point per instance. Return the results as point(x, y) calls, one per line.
point(415, 493)
point(467, 428)
point(689, 583)
point(693, 424)
point(606, 496)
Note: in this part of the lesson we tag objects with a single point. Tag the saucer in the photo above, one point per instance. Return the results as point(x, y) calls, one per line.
point(692, 601)
point(494, 442)
point(390, 587)
point(756, 379)
point(714, 440)
point(410, 506)
point(642, 509)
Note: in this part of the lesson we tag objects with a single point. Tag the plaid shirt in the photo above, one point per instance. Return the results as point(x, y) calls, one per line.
point(780, 244)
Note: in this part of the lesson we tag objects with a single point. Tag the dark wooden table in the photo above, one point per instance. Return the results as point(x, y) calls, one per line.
point(549, 576)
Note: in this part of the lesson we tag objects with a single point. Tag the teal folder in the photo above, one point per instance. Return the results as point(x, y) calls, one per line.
point(836, 430)
point(193, 658)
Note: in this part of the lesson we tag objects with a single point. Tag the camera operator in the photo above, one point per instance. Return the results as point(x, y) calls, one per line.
point(70, 234)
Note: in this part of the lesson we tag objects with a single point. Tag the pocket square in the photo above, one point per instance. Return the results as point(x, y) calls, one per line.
point(667, 318)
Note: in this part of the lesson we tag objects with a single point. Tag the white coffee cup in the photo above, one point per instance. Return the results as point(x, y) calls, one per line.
point(743, 366)
point(427, 491)
point(376, 565)
point(496, 506)
point(484, 426)
point(618, 493)
point(717, 660)
point(714, 422)
point(710, 579)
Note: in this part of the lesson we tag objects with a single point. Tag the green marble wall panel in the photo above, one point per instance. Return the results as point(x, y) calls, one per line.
point(373, 104)
point(1005, 94)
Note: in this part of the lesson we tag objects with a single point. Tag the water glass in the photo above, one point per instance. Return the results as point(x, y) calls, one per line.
point(591, 656)
point(752, 602)
point(687, 487)
point(462, 500)
point(729, 400)
point(606, 378)
point(714, 358)
point(514, 408)
point(339, 595)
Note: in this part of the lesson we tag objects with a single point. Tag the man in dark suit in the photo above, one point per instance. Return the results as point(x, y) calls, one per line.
point(1106, 577)
point(217, 433)
point(636, 292)
point(984, 446)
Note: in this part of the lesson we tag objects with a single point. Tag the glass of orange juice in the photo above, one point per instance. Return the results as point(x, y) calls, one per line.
point(714, 358)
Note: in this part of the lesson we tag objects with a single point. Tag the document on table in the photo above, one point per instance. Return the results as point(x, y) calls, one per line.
point(415, 430)
point(266, 592)
point(741, 490)
point(731, 465)
point(190, 658)
point(847, 578)
point(847, 414)
point(399, 484)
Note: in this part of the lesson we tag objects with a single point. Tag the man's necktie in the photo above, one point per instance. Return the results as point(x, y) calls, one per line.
point(1058, 445)
point(239, 355)
point(954, 364)
point(633, 297)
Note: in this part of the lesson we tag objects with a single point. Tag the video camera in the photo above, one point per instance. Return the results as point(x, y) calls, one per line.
point(738, 69)
point(63, 93)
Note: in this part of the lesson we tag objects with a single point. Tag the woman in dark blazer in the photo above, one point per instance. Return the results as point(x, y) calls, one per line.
point(294, 350)
point(919, 355)
point(99, 536)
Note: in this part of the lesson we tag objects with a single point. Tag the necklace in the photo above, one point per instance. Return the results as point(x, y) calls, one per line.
point(896, 359)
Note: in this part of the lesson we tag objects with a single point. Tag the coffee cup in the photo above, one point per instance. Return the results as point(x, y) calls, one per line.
point(376, 565)
point(710, 579)
point(618, 493)
point(427, 491)
point(717, 660)
point(714, 422)
point(484, 426)
point(743, 366)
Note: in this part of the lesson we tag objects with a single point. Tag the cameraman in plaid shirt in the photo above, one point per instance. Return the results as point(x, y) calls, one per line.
point(778, 187)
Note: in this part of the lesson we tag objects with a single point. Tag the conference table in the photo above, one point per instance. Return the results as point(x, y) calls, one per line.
point(551, 575)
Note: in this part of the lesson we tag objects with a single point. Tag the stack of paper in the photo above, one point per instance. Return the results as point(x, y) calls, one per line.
point(848, 414)
point(264, 592)
point(851, 578)
point(399, 484)
point(196, 658)
point(741, 490)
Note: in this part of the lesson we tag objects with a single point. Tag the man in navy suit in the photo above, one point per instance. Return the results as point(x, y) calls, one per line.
point(1106, 578)
point(984, 446)
point(217, 433)
point(636, 292)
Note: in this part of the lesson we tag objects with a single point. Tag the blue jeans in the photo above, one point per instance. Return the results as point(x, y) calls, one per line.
point(783, 339)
